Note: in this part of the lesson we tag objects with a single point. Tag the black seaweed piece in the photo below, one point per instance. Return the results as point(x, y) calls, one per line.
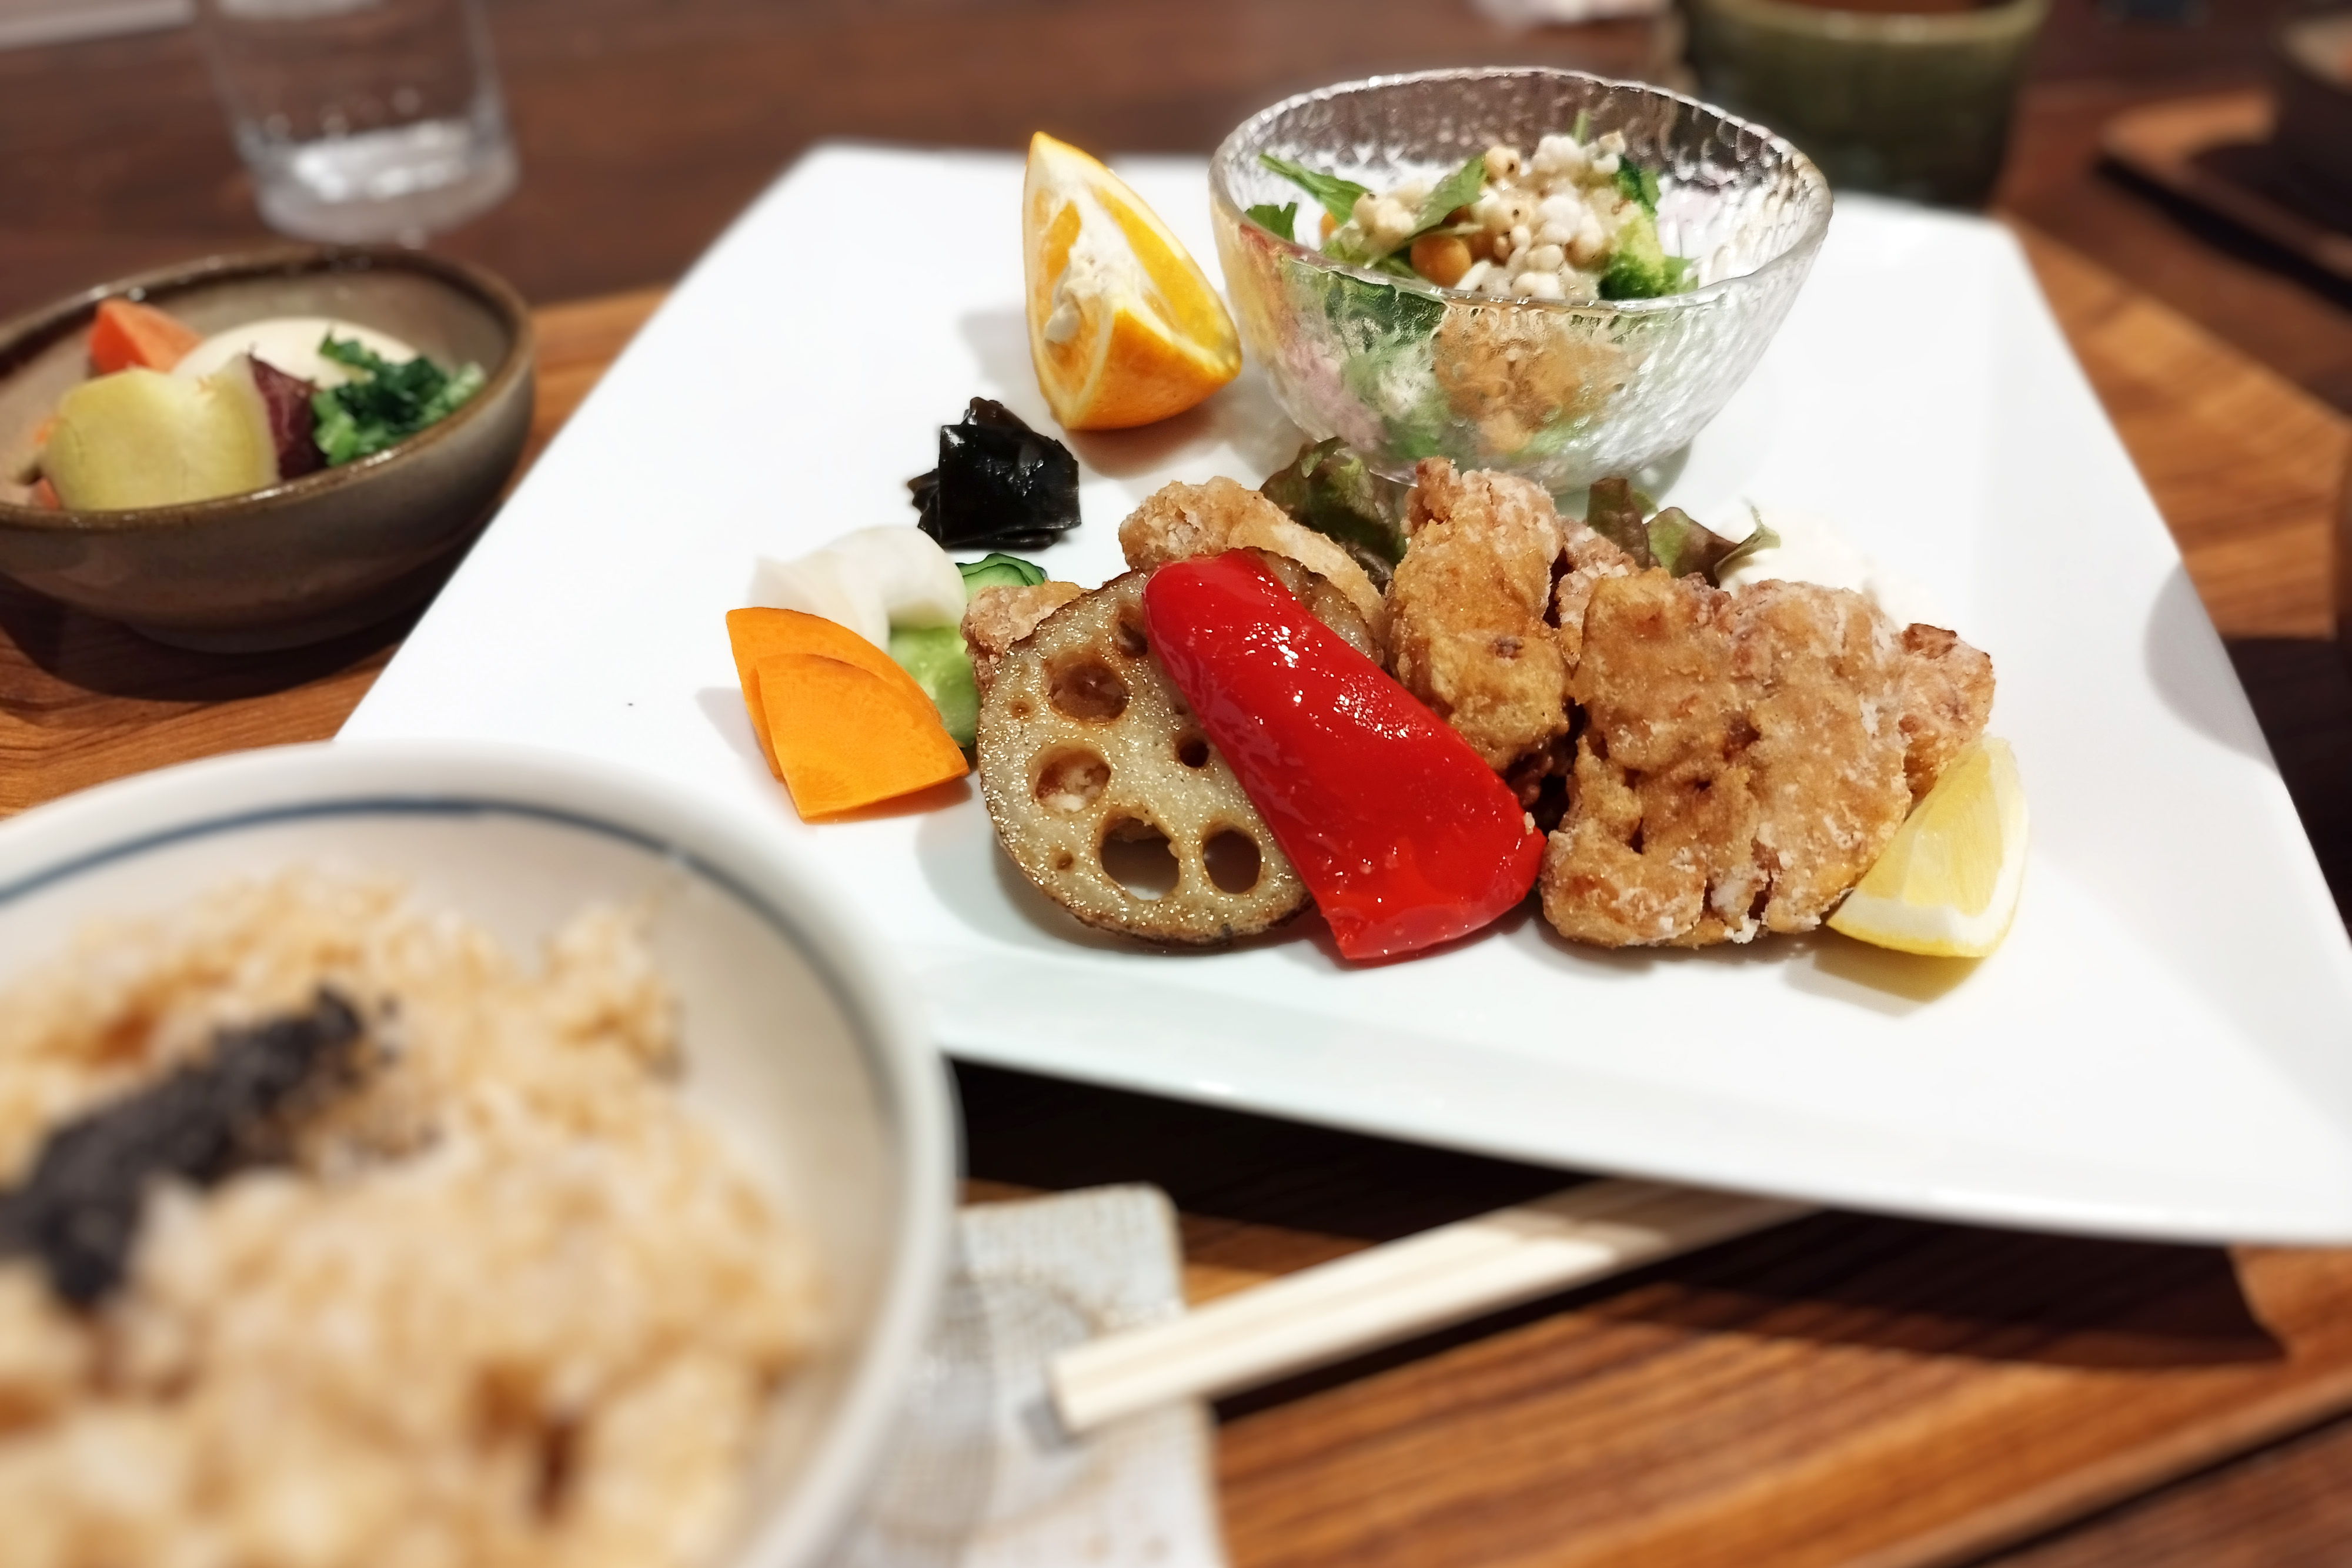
point(79, 1209)
point(999, 485)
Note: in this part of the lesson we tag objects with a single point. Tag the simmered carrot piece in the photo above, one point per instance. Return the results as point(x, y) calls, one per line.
point(127, 334)
point(46, 494)
point(756, 634)
point(848, 737)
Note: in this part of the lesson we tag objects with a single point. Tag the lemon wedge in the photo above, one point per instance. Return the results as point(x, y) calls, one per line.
point(1947, 885)
point(1124, 327)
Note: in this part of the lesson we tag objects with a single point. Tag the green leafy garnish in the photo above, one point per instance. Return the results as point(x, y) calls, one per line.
point(385, 403)
point(1759, 537)
point(1615, 512)
point(1458, 190)
point(1636, 183)
point(1581, 131)
point(1671, 539)
point(1282, 221)
point(1328, 488)
point(1337, 195)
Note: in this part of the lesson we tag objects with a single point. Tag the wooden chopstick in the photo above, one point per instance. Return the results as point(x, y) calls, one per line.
point(1396, 1291)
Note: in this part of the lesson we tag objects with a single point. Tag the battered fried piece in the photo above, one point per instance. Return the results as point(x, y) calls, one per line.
point(1743, 759)
point(1467, 628)
point(1590, 557)
point(1946, 697)
point(1001, 616)
point(1180, 521)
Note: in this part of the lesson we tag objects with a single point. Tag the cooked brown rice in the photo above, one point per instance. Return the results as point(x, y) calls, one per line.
point(513, 1304)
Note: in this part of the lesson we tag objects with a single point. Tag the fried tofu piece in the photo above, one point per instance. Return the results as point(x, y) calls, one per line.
point(1743, 758)
point(1468, 633)
point(1947, 699)
point(1179, 521)
point(1001, 616)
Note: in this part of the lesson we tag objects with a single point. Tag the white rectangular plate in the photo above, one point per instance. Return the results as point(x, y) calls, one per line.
point(2163, 1047)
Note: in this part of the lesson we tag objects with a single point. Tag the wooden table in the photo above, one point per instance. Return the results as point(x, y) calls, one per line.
point(1852, 1390)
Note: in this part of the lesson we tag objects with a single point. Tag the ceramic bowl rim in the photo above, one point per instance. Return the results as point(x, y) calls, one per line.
point(719, 842)
point(45, 324)
point(1821, 200)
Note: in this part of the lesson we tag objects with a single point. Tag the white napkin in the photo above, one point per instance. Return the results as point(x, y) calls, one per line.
point(978, 1474)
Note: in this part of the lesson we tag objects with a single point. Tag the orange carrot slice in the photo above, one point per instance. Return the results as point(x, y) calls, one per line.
point(46, 494)
point(127, 334)
point(756, 634)
point(848, 737)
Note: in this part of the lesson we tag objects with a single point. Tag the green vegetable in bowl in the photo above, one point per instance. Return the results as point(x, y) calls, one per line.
point(1577, 220)
point(384, 404)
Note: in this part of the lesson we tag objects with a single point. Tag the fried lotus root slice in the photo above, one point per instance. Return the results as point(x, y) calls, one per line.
point(1084, 743)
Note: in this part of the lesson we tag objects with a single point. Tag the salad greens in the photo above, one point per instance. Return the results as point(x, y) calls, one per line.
point(1339, 196)
point(1327, 487)
point(384, 404)
point(1672, 539)
point(1282, 221)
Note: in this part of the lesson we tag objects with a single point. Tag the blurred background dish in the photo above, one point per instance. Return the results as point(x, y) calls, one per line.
point(307, 558)
point(1560, 393)
point(800, 1047)
point(1910, 98)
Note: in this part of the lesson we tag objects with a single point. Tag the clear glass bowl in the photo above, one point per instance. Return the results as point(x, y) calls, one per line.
point(1560, 393)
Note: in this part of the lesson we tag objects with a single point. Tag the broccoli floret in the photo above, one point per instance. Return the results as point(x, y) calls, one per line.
point(1639, 267)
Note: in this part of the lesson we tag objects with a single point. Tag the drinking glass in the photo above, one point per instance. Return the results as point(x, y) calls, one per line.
point(362, 120)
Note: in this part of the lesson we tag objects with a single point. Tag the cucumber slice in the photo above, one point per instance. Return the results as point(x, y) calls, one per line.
point(936, 657)
point(998, 571)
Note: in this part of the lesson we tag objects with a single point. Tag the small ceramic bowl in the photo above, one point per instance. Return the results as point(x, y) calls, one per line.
point(1561, 394)
point(802, 1048)
point(312, 557)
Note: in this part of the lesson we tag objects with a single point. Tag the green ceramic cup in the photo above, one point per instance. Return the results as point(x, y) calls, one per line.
point(1910, 104)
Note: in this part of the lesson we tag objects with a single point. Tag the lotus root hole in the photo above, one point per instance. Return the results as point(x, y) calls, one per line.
point(1192, 751)
point(1232, 860)
point(1064, 860)
point(1072, 780)
point(1132, 640)
point(1136, 855)
point(1089, 690)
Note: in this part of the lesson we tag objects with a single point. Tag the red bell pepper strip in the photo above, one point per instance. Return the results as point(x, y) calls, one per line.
point(1406, 838)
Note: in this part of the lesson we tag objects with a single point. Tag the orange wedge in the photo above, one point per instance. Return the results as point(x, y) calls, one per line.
point(1124, 327)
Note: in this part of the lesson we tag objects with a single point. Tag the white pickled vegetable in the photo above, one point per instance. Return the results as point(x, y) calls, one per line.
point(289, 343)
point(826, 584)
point(919, 584)
point(871, 581)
